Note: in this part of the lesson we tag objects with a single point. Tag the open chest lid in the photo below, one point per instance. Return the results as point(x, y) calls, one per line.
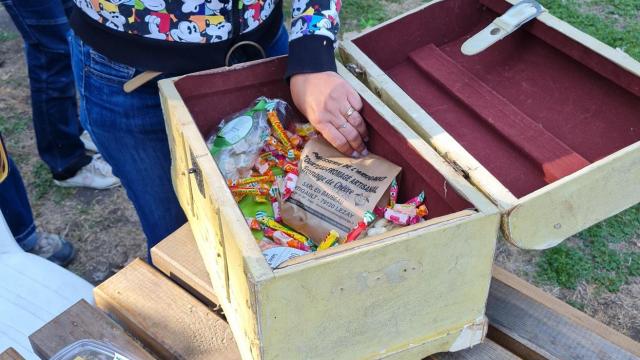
point(546, 122)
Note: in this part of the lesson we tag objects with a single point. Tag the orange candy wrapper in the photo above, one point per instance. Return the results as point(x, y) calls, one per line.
point(278, 130)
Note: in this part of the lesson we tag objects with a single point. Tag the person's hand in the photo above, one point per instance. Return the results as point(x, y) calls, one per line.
point(332, 107)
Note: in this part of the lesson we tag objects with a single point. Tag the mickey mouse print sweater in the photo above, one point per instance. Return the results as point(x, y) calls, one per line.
point(181, 36)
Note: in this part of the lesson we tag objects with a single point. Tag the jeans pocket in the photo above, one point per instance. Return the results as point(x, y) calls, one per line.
point(108, 70)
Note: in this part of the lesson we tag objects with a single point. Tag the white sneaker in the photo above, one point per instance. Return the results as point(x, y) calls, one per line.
point(88, 142)
point(95, 175)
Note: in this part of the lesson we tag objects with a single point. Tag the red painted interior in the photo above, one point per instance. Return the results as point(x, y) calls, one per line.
point(553, 92)
point(212, 96)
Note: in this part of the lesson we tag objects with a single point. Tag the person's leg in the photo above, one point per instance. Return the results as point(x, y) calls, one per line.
point(44, 28)
point(129, 131)
point(16, 209)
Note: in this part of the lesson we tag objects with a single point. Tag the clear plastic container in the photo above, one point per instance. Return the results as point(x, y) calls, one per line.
point(91, 350)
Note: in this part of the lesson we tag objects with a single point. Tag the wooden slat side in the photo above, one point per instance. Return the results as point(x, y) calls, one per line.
point(177, 115)
point(83, 321)
point(232, 258)
point(177, 256)
point(165, 317)
point(10, 354)
point(426, 127)
point(544, 327)
point(488, 350)
point(556, 158)
point(547, 216)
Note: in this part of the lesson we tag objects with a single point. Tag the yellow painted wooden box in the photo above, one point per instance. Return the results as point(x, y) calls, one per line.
point(546, 122)
point(406, 294)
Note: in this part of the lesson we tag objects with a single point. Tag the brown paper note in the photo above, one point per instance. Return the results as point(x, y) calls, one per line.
point(334, 191)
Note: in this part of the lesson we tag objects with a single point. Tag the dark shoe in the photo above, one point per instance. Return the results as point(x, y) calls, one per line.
point(54, 248)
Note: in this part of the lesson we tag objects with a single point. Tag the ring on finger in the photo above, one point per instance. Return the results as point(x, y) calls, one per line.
point(349, 112)
point(343, 126)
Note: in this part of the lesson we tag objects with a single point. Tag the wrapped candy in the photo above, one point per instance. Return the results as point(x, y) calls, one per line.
point(331, 239)
point(254, 224)
point(393, 193)
point(276, 145)
point(405, 209)
point(298, 245)
point(272, 223)
point(260, 198)
point(250, 191)
point(275, 205)
point(281, 238)
point(262, 166)
point(367, 219)
point(268, 232)
point(290, 181)
point(305, 130)
point(251, 180)
point(278, 130)
point(380, 226)
point(293, 154)
point(296, 140)
point(422, 211)
point(265, 244)
point(396, 217)
point(290, 168)
point(416, 201)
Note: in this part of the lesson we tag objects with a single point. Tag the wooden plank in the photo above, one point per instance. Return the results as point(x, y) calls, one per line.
point(536, 325)
point(488, 350)
point(83, 321)
point(556, 158)
point(10, 354)
point(506, 289)
point(163, 316)
point(178, 258)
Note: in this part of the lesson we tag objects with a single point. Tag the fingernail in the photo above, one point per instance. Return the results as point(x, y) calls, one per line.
point(365, 152)
point(355, 154)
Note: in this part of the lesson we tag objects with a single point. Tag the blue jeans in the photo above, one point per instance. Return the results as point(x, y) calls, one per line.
point(129, 131)
point(44, 27)
point(15, 207)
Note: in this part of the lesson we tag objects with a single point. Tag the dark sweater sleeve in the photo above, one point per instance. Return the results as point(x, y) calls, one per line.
point(314, 29)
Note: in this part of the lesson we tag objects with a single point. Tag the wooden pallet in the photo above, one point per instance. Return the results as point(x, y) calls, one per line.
point(10, 354)
point(525, 322)
point(180, 321)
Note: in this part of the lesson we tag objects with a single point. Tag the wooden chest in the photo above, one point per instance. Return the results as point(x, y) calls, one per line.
point(546, 122)
point(405, 294)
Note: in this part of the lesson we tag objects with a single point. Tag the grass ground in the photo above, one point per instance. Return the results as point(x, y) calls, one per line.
point(596, 271)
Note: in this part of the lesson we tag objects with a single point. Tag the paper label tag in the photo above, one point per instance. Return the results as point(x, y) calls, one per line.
point(237, 129)
point(277, 255)
point(333, 191)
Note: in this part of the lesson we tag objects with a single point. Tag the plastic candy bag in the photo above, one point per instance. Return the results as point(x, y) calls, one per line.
point(238, 140)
